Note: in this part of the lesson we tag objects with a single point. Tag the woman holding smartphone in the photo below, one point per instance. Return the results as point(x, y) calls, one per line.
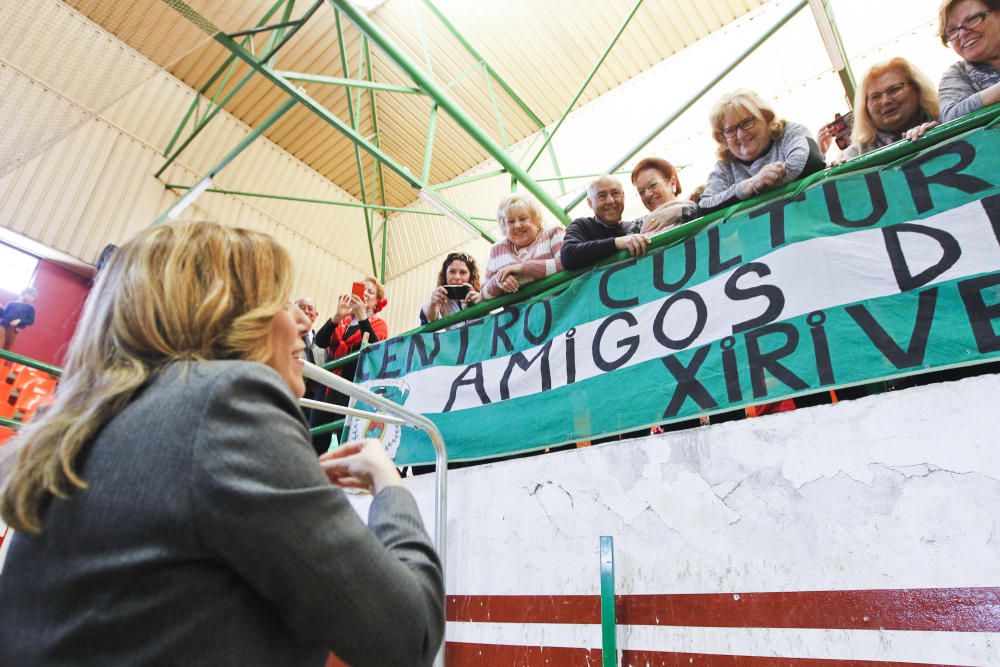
point(457, 288)
point(346, 331)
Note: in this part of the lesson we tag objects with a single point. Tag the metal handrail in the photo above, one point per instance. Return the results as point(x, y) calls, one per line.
point(351, 412)
point(326, 378)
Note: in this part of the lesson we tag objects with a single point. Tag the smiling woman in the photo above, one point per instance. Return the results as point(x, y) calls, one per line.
point(972, 29)
point(171, 492)
point(757, 150)
point(527, 253)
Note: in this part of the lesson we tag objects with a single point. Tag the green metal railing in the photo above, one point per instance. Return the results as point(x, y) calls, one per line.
point(901, 150)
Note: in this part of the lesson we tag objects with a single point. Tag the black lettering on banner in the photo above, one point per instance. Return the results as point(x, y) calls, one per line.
point(630, 344)
point(980, 314)
point(476, 381)
point(992, 208)
point(776, 210)
point(876, 196)
point(519, 360)
point(463, 339)
point(731, 370)
point(716, 264)
point(419, 345)
point(605, 295)
point(701, 317)
point(547, 310)
point(761, 362)
point(570, 356)
point(361, 374)
point(500, 329)
point(775, 297)
point(387, 358)
point(951, 177)
point(660, 268)
point(914, 353)
point(687, 385)
point(904, 277)
point(821, 347)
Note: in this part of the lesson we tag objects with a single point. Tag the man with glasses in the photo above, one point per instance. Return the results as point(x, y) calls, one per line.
point(589, 240)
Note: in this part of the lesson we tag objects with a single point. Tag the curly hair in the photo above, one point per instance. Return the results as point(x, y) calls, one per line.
point(748, 101)
point(470, 262)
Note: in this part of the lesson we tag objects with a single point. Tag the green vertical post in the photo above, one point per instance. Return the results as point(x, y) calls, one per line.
point(609, 637)
point(827, 25)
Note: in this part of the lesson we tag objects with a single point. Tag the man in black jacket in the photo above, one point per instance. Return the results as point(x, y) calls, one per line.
point(589, 240)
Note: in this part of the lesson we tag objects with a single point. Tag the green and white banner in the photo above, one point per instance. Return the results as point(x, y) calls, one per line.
point(859, 278)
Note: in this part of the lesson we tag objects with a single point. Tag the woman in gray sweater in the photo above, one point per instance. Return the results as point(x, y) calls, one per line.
point(972, 29)
point(757, 150)
point(169, 507)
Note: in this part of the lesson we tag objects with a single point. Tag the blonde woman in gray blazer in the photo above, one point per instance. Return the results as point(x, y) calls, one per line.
point(169, 507)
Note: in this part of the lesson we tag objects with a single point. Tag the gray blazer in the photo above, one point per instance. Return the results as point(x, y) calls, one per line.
point(208, 535)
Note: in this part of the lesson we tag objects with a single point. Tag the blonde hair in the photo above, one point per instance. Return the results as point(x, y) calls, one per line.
point(864, 128)
point(753, 104)
point(186, 291)
point(518, 202)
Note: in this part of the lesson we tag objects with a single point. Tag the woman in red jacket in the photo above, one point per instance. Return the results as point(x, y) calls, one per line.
point(351, 326)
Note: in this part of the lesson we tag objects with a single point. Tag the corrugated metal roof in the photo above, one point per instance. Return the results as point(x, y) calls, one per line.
point(544, 50)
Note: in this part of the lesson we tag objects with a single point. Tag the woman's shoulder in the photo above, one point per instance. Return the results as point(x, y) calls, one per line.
point(208, 377)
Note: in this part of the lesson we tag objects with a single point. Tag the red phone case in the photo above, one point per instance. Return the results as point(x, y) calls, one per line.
point(358, 290)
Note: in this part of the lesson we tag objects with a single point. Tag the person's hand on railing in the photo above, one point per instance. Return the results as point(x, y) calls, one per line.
point(361, 465)
point(507, 277)
point(635, 244)
point(769, 176)
point(915, 133)
point(666, 215)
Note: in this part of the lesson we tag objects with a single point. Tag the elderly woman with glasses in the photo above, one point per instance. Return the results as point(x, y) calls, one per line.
point(457, 288)
point(658, 185)
point(894, 101)
point(972, 29)
point(757, 150)
point(526, 253)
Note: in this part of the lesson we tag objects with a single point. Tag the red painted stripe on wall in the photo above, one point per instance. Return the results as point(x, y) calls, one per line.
point(457, 654)
point(524, 608)
point(921, 609)
point(664, 659)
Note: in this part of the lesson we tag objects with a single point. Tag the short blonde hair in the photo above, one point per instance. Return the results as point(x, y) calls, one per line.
point(185, 291)
point(753, 104)
point(864, 126)
point(518, 202)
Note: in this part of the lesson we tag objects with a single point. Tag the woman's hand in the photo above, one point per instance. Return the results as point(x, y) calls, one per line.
point(664, 216)
point(769, 176)
point(473, 296)
point(358, 308)
point(360, 465)
point(343, 308)
point(915, 133)
point(507, 278)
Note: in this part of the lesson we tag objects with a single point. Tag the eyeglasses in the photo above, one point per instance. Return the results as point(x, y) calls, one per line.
point(649, 188)
point(892, 92)
point(746, 125)
point(968, 24)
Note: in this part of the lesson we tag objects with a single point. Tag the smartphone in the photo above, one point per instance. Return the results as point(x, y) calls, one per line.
point(457, 292)
point(842, 126)
point(358, 290)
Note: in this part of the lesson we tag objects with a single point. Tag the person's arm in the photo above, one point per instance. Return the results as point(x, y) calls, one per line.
point(27, 317)
point(795, 151)
point(325, 334)
point(550, 261)
point(263, 505)
point(722, 189)
point(958, 96)
point(577, 252)
point(498, 259)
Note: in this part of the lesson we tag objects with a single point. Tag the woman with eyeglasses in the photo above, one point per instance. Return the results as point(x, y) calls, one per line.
point(658, 185)
point(457, 288)
point(757, 150)
point(526, 253)
point(972, 29)
point(168, 506)
point(895, 101)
